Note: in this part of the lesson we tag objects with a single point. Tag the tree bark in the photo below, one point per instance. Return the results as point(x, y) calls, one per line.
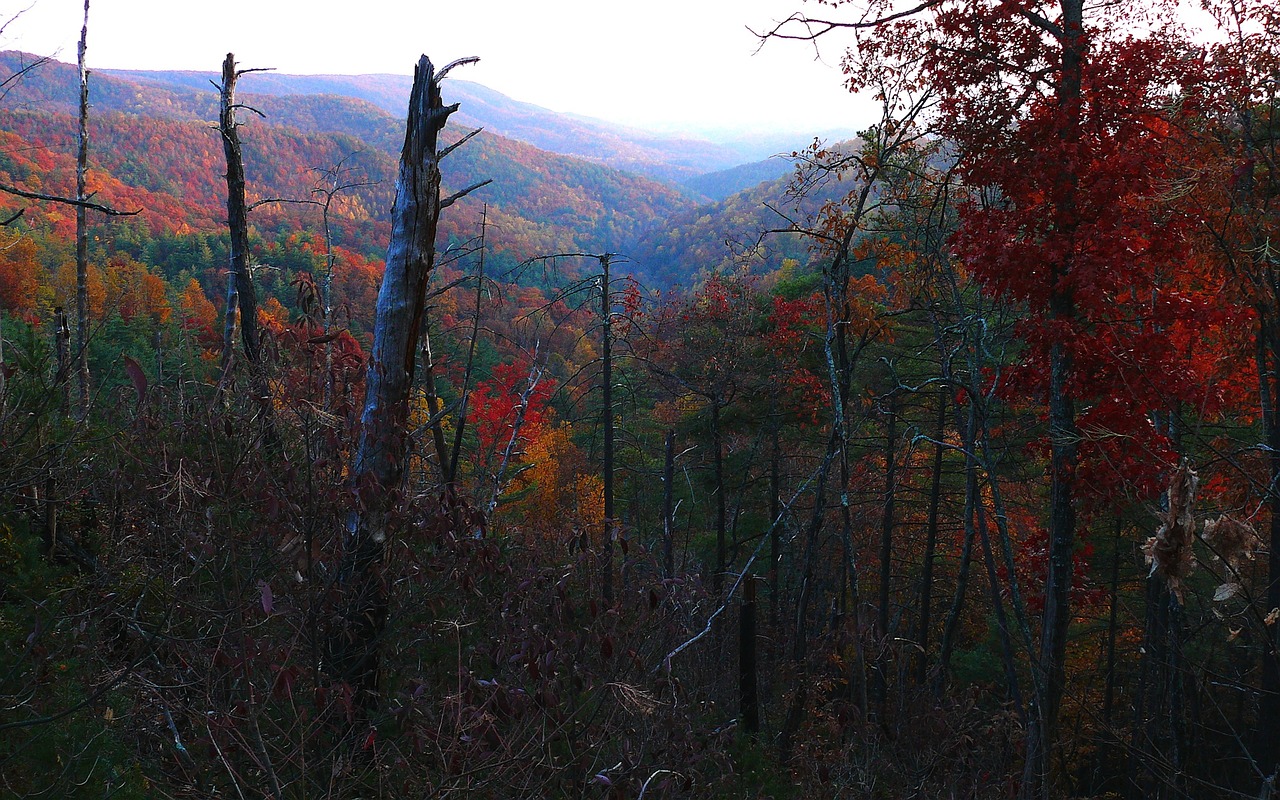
point(931, 541)
point(62, 356)
point(747, 681)
point(717, 454)
point(775, 532)
point(381, 451)
point(971, 499)
point(1049, 671)
point(82, 232)
point(241, 294)
point(606, 381)
point(1268, 355)
point(668, 508)
point(886, 556)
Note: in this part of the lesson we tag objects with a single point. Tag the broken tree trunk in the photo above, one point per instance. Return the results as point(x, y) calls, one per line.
point(240, 291)
point(82, 234)
point(381, 447)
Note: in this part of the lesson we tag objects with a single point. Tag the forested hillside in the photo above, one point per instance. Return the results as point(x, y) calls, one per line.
point(158, 139)
point(942, 466)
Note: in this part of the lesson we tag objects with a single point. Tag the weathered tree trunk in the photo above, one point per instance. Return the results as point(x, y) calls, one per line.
point(82, 232)
point(381, 447)
point(240, 291)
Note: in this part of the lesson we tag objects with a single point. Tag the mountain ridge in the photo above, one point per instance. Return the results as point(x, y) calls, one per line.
point(546, 200)
point(669, 157)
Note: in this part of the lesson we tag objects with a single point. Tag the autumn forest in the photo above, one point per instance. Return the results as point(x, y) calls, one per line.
point(366, 437)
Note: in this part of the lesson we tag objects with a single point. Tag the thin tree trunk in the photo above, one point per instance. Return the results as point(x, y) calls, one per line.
point(1002, 621)
point(1108, 697)
point(971, 499)
point(717, 454)
point(931, 541)
point(800, 638)
point(3, 397)
point(606, 380)
point(62, 355)
point(82, 233)
point(1268, 355)
point(886, 556)
point(50, 543)
point(434, 406)
point(668, 508)
point(775, 532)
point(747, 679)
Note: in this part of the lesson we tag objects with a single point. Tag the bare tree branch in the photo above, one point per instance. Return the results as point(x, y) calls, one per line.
point(70, 201)
point(458, 63)
point(826, 25)
point(451, 199)
point(447, 150)
point(285, 200)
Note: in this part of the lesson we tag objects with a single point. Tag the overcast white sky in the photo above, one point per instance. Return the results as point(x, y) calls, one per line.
point(657, 64)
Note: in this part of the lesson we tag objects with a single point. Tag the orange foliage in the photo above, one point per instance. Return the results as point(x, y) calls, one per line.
point(64, 289)
point(560, 497)
point(132, 291)
point(198, 314)
point(20, 275)
point(272, 315)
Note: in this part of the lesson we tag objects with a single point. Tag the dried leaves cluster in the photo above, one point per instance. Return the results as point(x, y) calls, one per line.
point(1170, 553)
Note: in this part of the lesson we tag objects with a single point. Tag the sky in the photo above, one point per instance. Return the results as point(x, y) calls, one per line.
point(667, 65)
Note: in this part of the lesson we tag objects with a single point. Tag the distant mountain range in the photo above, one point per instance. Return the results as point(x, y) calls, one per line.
point(559, 182)
point(670, 158)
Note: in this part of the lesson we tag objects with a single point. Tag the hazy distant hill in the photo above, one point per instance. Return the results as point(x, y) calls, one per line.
point(664, 157)
point(722, 184)
point(735, 232)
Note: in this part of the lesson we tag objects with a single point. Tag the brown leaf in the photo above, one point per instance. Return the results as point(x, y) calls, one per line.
point(136, 375)
point(1233, 541)
point(1169, 551)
